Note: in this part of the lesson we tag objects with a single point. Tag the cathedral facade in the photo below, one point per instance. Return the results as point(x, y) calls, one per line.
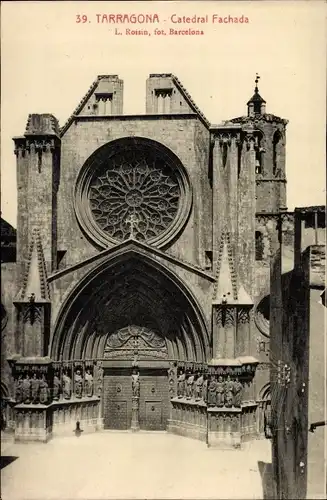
point(136, 286)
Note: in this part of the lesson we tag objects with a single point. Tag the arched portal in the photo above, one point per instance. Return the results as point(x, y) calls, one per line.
point(132, 311)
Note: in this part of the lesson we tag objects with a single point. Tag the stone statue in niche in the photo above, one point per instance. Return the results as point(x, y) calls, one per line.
point(212, 391)
point(44, 390)
point(19, 389)
point(35, 387)
point(78, 384)
point(238, 392)
point(199, 387)
point(136, 383)
point(220, 392)
point(88, 383)
point(56, 386)
point(229, 392)
point(27, 389)
point(67, 386)
point(181, 384)
point(190, 386)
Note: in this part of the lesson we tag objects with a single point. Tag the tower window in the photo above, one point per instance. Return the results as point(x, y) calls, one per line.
point(225, 154)
point(163, 97)
point(258, 162)
point(276, 140)
point(259, 152)
point(259, 245)
point(104, 102)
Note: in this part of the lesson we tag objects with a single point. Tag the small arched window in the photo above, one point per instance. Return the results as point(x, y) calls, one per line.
point(276, 141)
point(225, 154)
point(259, 152)
point(259, 245)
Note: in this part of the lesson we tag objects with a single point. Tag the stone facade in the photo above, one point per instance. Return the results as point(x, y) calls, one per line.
point(143, 243)
point(297, 377)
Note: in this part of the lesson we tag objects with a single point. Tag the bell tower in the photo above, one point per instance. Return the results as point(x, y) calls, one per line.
point(270, 145)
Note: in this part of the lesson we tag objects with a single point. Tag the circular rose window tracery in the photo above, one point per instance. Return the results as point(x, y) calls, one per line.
point(137, 190)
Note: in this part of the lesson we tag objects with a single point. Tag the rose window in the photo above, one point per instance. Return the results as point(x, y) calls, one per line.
point(136, 192)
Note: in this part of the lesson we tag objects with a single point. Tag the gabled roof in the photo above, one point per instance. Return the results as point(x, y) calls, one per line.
point(82, 103)
point(189, 99)
point(138, 247)
point(94, 85)
point(256, 98)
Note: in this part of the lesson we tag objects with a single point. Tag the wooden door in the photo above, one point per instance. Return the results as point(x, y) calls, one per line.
point(289, 356)
point(117, 399)
point(154, 400)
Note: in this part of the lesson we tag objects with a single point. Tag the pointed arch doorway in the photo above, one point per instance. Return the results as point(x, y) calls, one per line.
point(132, 312)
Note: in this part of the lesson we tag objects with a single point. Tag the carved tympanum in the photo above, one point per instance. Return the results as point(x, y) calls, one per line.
point(135, 339)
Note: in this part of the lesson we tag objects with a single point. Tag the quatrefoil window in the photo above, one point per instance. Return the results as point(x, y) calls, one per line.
point(135, 188)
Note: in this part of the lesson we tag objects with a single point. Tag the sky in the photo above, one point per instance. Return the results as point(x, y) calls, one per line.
point(49, 61)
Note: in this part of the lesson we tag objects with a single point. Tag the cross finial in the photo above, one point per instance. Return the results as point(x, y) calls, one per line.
point(132, 220)
point(257, 78)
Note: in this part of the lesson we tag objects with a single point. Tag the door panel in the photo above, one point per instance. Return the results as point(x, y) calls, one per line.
point(153, 415)
point(117, 399)
point(154, 400)
point(118, 415)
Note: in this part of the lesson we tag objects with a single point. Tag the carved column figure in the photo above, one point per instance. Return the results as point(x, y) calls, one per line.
point(44, 390)
point(99, 378)
point(56, 386)
point(238, 392)
point(78, 383)
point(229, 392)
point(190, 386)
point(19, 389)
point(35, 387)
point(205, 388)
point(181, 384)
point(172, 380)
point(136, 383)
point(67, 385)
point(212, 391)
point(135, 426)
point(199, 387)
point(88, 383)
point(220, 392)
point(26, 389)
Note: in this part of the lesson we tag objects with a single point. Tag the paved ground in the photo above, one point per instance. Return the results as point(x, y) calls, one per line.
point(132, 466)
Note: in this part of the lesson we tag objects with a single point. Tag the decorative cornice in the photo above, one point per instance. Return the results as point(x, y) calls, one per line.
point(266, 117)
point(273, 179)
point(38, 144)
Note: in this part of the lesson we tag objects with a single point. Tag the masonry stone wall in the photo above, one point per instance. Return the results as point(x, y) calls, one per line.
point(317, 396)
point(182, 137)
point(8, 292)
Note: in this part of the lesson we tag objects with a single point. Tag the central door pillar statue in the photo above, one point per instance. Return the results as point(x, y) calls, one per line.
point(135, 425)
